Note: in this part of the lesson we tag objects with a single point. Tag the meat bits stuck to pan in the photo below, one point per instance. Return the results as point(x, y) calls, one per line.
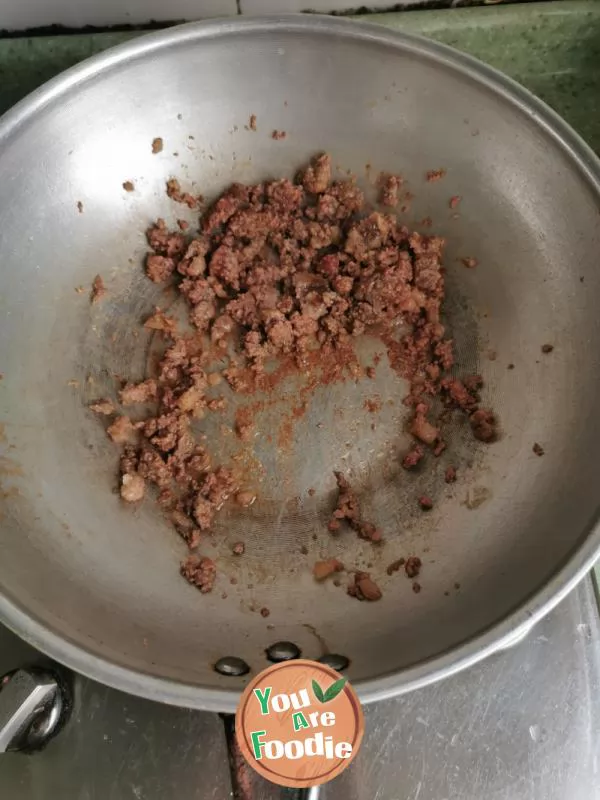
point(291, 272)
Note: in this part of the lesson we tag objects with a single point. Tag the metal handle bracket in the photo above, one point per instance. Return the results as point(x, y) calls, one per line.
point(31, 708)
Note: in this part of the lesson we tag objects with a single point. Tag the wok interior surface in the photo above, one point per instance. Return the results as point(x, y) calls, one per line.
point(104, 577)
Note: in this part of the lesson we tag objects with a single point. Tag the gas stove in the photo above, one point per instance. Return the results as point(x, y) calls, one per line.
point(523, 725)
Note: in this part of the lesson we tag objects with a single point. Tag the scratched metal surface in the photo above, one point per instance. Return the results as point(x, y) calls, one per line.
point(523, 725)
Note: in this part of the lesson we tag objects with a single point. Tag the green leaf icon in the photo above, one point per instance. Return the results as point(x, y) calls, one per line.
point(333, 691)
point(329, 694)
point(318, 692)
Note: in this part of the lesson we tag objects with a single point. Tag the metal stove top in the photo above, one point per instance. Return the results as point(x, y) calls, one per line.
point(525, 724)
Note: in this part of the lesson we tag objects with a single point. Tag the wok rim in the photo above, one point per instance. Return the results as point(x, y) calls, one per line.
point(500, 635)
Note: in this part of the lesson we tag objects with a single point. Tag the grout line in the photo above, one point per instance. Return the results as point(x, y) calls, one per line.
point(566, 6)
point(363, 9)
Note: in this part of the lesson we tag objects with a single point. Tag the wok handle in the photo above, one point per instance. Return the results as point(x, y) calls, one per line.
point(242, 776)
point(32, 708)
point(301, 794)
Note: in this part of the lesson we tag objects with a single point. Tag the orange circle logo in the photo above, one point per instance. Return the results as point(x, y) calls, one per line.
point(299, 723)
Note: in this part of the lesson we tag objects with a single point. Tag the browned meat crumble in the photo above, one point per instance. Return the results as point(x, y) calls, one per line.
point(414, 456)
point(348, 509)
point(450, 474)
point(434, 175)
point(390, 186)
point(132, 488)
point(425, 502)
point(363, 587)
point(175, 192)
point(395, 566)
point(201, 572)
point(484, 425)
point(291, 272)
point(323, 569)
point(122, 430)
point(412, 567)
point(105, 407)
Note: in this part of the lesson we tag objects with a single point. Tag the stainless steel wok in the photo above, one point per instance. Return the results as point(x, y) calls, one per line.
point(96, 584)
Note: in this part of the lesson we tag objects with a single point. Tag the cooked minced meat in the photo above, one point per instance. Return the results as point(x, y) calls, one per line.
point(363, 587)
point(323, 569)
point(122, 430)
point(102, 407)
point(389, 187)
point(200, 572)
point(348, 509)
point(283, 270)
point(132, 488)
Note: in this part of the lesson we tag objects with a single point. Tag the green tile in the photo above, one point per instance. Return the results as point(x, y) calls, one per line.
point(551, 48)
point(28, 62)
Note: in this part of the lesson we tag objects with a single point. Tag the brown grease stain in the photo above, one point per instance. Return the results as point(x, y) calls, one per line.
point(10, 468)
point(373, 404)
